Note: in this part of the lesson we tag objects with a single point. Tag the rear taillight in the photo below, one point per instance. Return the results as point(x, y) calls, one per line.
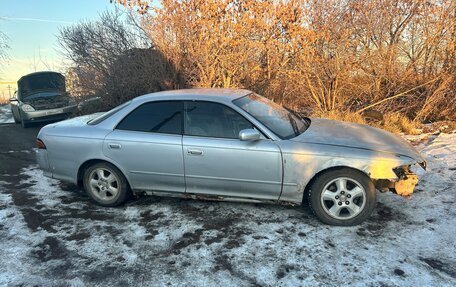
point(40, 144)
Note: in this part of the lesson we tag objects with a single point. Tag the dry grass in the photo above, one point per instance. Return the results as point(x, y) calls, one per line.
point(345, 116)
point(392, 122)
point(398, 123)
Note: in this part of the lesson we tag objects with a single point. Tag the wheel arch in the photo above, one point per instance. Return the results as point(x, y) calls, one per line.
point(91, 162)
point(325, 170)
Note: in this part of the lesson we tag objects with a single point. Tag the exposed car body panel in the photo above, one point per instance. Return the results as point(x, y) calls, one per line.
point(302, 161)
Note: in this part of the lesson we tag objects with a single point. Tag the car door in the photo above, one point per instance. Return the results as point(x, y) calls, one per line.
point(147, 145)
point(218, 163)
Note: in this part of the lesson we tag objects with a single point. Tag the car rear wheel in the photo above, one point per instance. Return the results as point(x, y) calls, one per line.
point(342, 197)
point(106, 185)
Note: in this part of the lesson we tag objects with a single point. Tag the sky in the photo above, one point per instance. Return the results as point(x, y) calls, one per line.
point(32, 27)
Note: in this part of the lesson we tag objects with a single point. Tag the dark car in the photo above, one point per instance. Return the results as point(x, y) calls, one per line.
point(41, 96)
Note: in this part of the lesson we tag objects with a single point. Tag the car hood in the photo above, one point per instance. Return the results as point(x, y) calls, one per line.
point(330, 132)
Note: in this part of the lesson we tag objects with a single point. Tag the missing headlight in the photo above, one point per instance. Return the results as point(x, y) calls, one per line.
point(407, 181)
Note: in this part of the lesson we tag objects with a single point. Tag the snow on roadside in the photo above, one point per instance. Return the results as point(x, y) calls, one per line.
point(159, 241)
point(5, 114)
point(16, 242)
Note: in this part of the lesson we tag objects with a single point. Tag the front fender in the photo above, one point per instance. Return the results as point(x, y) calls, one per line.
point(302, 163)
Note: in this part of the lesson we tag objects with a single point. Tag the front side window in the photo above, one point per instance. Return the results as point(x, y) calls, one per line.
point(208, 119)
point(155, 117)
point(278, 119)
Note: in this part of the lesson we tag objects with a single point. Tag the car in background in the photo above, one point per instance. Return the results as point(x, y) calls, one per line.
point(40, 97)
point(228, 144)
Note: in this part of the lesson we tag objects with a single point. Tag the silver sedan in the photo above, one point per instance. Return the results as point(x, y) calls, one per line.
point(227, 144)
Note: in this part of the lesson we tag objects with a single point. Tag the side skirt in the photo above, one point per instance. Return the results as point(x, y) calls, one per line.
point(211, 197)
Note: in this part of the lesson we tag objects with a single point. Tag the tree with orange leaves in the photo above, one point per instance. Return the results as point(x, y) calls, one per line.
point(330, 55)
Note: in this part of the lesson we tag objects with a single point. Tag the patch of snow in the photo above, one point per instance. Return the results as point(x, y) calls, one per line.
point(165, 241)
point(6, 116)
point(16, 243)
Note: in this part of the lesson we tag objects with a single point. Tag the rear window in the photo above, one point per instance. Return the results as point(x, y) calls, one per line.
point(106, 115)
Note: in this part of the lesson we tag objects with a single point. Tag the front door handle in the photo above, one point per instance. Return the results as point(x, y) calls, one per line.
point(194, 152)
point(114, 145)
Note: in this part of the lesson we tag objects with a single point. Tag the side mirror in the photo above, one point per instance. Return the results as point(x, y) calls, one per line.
point(249, 135)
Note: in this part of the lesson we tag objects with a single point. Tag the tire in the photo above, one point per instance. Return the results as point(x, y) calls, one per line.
point(106, 185)
point(16, 121)
point(24, 124)
point(343, 197)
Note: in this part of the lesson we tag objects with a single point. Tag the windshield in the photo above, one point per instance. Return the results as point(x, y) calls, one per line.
point(107, 114)
point(281, 121)
point(28, 85)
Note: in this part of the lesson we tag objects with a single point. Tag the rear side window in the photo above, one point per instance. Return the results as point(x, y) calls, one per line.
point(155, 117)
point(106, 115)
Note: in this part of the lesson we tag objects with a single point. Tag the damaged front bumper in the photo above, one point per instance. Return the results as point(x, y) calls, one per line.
point(405, 183)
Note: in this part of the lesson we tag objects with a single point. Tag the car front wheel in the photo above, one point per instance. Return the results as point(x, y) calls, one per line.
point(16, 120)
point(343, 197)
point(24, 124)
point(105, 184)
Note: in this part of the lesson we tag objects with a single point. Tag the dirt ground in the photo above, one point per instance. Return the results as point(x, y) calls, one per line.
point(53, 235)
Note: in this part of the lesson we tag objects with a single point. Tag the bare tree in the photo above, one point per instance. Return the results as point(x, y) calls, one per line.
point(4, 47)
point(113, 60)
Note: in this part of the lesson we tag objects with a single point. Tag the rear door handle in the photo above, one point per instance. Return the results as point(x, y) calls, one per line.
point(114, 145)
point(194, 152)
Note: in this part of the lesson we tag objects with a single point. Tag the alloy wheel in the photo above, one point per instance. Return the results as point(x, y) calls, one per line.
point(343, 198)
point(104, 184)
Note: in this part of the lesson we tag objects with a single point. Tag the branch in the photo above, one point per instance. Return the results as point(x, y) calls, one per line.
point(395, 96)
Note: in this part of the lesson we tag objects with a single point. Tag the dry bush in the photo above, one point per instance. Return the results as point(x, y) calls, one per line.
point(345, 116)
point(334, 57)
point(397, 56)
point(395, 122)
point(138, 72)
point(440, 102)
point(113, 60)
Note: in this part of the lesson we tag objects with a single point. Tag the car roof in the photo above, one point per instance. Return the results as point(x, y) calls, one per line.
point(209, 94)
